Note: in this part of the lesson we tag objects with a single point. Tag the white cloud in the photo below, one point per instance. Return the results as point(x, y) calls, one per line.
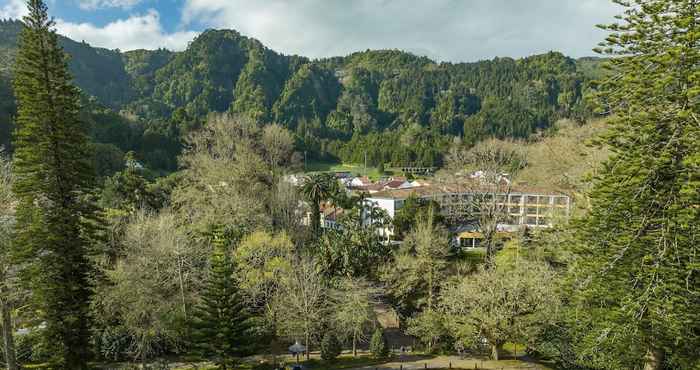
point(456, 30)
point(13, 9)
point(136, 32)
point(99, 4)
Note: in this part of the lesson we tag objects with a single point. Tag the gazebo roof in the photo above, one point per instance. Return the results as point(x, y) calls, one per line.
point(297, 348)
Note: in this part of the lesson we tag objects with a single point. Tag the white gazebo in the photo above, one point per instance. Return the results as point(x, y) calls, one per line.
point(296, 349)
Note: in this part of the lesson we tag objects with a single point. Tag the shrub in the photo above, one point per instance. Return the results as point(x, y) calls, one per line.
point(330, 347)
point(378, 345)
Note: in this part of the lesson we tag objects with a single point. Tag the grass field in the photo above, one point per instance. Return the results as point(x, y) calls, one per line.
point(355, 169)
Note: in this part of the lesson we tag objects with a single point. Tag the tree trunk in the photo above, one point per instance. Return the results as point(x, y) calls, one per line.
point(496, 351)
point(7, 339)
point(182, 287)
point(654, 359)
point(316, 218)
point(354, 344)
point(307, 346)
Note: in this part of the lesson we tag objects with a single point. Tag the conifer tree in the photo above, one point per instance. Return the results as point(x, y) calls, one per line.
point(222, 322)
point(378, 345)
point(639, 271)
point(55, 222)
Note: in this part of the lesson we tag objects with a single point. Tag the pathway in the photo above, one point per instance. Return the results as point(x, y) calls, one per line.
point(443, 362)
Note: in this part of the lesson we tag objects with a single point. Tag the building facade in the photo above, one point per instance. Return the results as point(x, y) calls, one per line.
point(520, 207)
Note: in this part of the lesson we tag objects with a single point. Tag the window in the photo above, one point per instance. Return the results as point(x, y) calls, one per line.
point(561, 201)
point(514, 209)
point(531, 210)
point(531, 199)
point(532, 221)
point(515, 199)
point(543, 200)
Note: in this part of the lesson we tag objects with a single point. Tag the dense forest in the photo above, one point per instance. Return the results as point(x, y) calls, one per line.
point(392, 106)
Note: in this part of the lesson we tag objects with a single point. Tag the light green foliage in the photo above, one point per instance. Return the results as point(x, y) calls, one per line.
point(302, 303)
point(414, 278)
point(230, 169)
point(262, 260)
point(638, 270)
point(151, 286)
point(499, 305)
point(353, 309)
point(428, 326)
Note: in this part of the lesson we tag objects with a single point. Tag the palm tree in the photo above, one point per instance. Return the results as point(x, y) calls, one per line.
point(317, 188)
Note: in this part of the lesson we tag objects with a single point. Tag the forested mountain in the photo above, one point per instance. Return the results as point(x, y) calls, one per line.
point(392, 106)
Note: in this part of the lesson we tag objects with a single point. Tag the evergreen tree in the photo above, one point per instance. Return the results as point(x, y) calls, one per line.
point(330, 346)
point(378, 345)
point(221, 325)
point(640, 280)
point(55, 222)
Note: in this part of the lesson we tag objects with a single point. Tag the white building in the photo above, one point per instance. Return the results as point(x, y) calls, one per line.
point(526, 207)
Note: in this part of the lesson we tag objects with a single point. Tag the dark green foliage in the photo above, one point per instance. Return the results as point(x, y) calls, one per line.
point(311, 93)
point(413, 210)
point(356, 249)
point(410, 107)
point(55, 221)
point(318, 188)
point(8, 110)
point(639, 278)
point(330, 346)
point(129, 190)
point(221, 328)
point(378, 345)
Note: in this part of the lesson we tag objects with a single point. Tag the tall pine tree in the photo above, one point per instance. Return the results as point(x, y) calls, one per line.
point(221, 328)
point(53, 178)
point(640, 260)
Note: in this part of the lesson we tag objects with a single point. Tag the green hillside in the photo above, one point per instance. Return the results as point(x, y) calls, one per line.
point(388, 105)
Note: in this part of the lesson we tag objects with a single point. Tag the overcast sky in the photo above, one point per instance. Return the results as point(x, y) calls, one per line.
point(446, 30)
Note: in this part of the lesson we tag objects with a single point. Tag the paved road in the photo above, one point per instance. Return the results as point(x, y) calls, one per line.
point(443, 362)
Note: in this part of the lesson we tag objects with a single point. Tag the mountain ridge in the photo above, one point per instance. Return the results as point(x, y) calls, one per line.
point(338, 107)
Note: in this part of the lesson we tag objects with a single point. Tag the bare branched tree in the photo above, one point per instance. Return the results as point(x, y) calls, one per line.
point(302, 302)
point(481, 180)
point(354, 305)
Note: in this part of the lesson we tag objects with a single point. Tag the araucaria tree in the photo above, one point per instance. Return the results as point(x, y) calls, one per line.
point(641, 238)
point(221, 329)
point(55, 221)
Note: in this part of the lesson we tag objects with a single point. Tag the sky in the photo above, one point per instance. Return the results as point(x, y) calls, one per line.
point(445, 30)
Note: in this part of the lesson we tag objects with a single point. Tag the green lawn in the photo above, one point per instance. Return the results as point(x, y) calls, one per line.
point(355, 169)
